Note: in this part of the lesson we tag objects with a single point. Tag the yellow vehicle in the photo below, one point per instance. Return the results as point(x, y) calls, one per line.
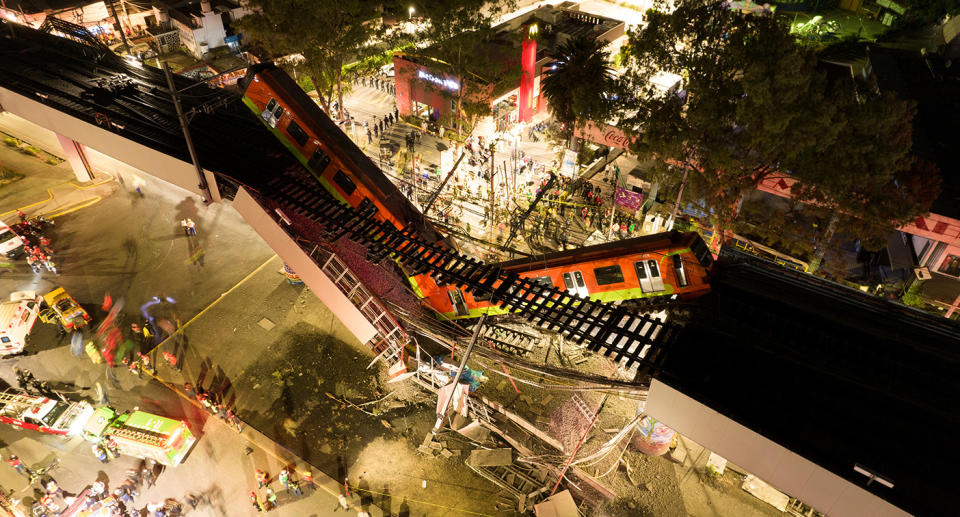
point(63, 309)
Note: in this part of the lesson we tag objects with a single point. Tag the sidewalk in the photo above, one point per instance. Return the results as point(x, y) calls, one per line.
point(48, 190)
point(293, 372)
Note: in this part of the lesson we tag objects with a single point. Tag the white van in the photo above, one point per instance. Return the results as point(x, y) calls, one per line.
point(16, 320)
point(11, 245)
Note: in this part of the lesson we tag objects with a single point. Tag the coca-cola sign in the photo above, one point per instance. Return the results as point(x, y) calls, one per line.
point(605, 135)
point(616, 138)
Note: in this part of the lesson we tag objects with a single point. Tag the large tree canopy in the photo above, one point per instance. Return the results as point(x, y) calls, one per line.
point(326, 34)
point(752, 103)
point(579, 84)
point(459, 33)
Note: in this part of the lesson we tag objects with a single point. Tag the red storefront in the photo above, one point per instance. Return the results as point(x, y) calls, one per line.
point(427, 89)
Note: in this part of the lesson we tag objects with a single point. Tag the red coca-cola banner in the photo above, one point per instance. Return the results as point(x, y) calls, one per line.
point(604, 135)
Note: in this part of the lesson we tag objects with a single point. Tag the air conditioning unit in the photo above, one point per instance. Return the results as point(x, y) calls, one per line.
point(922, 273)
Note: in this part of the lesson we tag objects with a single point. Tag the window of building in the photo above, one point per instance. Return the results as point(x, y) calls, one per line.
point(344, 182)
point(608, 275)
point(951, 265)
point(297, 133)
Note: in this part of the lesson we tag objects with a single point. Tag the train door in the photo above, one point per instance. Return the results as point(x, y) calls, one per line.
point(648, 274)
point(459, 304)
point(272, 113)
point(574, 283)
point(655, 279)
point(680, 271)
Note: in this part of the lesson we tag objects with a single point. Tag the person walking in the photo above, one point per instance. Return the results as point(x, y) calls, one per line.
point(284, 478)
point(18, 465)
point(369, 136)
point(146, 473)
point(234, 419)
point(380, 125)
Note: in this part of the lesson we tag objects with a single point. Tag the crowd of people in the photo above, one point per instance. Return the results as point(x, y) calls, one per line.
point(36, 244)
point(293, 483)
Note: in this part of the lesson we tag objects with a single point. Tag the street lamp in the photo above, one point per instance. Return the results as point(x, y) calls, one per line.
point(411, 11)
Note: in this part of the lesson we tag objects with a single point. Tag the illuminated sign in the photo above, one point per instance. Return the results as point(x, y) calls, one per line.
point(449, 84)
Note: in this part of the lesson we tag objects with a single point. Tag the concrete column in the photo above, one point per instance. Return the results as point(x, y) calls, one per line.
point(76, 154)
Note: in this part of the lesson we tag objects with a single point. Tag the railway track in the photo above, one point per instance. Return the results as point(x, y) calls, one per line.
point(631, 338)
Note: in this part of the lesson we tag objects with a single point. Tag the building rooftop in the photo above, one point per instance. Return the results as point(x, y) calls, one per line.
point(833, 374)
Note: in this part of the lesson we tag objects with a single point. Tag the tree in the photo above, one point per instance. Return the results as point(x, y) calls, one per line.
point(579, 84)
point(326, 34)
point(751, 104)
point(456, 34)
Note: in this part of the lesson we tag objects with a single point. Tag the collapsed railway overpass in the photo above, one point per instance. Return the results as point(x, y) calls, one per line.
point(785, 376)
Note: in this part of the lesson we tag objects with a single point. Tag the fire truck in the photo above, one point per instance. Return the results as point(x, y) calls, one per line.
point(141, 434)
point(43, 414)
point(137, 433)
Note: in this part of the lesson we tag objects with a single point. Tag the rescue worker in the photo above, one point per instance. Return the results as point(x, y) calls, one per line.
point(255, 500)
point(92, 352)
point(262, 478)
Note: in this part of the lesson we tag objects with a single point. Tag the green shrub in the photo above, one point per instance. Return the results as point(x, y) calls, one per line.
point(10, 141)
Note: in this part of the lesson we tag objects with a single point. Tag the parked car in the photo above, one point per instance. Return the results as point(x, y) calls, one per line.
point(63, 309)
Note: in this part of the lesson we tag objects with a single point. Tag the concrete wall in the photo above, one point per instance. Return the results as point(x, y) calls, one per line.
point(786, 471)
point(155, 163)
point(291, 253)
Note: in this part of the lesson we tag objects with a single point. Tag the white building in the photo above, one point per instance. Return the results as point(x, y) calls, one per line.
point(203, 25)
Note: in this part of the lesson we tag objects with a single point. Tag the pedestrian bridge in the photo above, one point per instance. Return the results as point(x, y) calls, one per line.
point(826, 393)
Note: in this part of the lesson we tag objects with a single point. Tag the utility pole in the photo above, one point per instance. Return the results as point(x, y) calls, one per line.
point(676, 206)
point(204, 188)
point(436, 194)
point(123, 35)
point(456, 380)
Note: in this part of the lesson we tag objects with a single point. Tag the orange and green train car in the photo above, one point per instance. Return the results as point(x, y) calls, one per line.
point(671, 263)
point(330, 156)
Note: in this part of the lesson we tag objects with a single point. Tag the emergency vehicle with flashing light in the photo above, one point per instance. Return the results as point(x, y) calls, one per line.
point(43, 414)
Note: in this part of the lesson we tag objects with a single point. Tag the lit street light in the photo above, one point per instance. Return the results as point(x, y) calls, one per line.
point(411, 10)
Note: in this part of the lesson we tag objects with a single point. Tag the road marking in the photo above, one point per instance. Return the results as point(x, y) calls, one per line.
point(208, 307)
point(80, 205)
point(49, 197)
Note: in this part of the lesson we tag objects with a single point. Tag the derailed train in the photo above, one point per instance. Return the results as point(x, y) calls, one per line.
point(671, 263)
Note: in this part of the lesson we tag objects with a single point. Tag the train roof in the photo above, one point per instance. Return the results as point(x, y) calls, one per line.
point(602, 251)
point(340, 145)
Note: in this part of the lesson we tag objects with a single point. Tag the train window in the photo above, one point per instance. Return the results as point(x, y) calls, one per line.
point(608, 275)
point(319, 161)
point(297, 133)
point(344, 182)
point(680, 272)
point(272, 113)
point(575, 284)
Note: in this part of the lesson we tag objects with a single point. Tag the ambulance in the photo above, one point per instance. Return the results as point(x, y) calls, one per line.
point(11, 245)
point(16, 320)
